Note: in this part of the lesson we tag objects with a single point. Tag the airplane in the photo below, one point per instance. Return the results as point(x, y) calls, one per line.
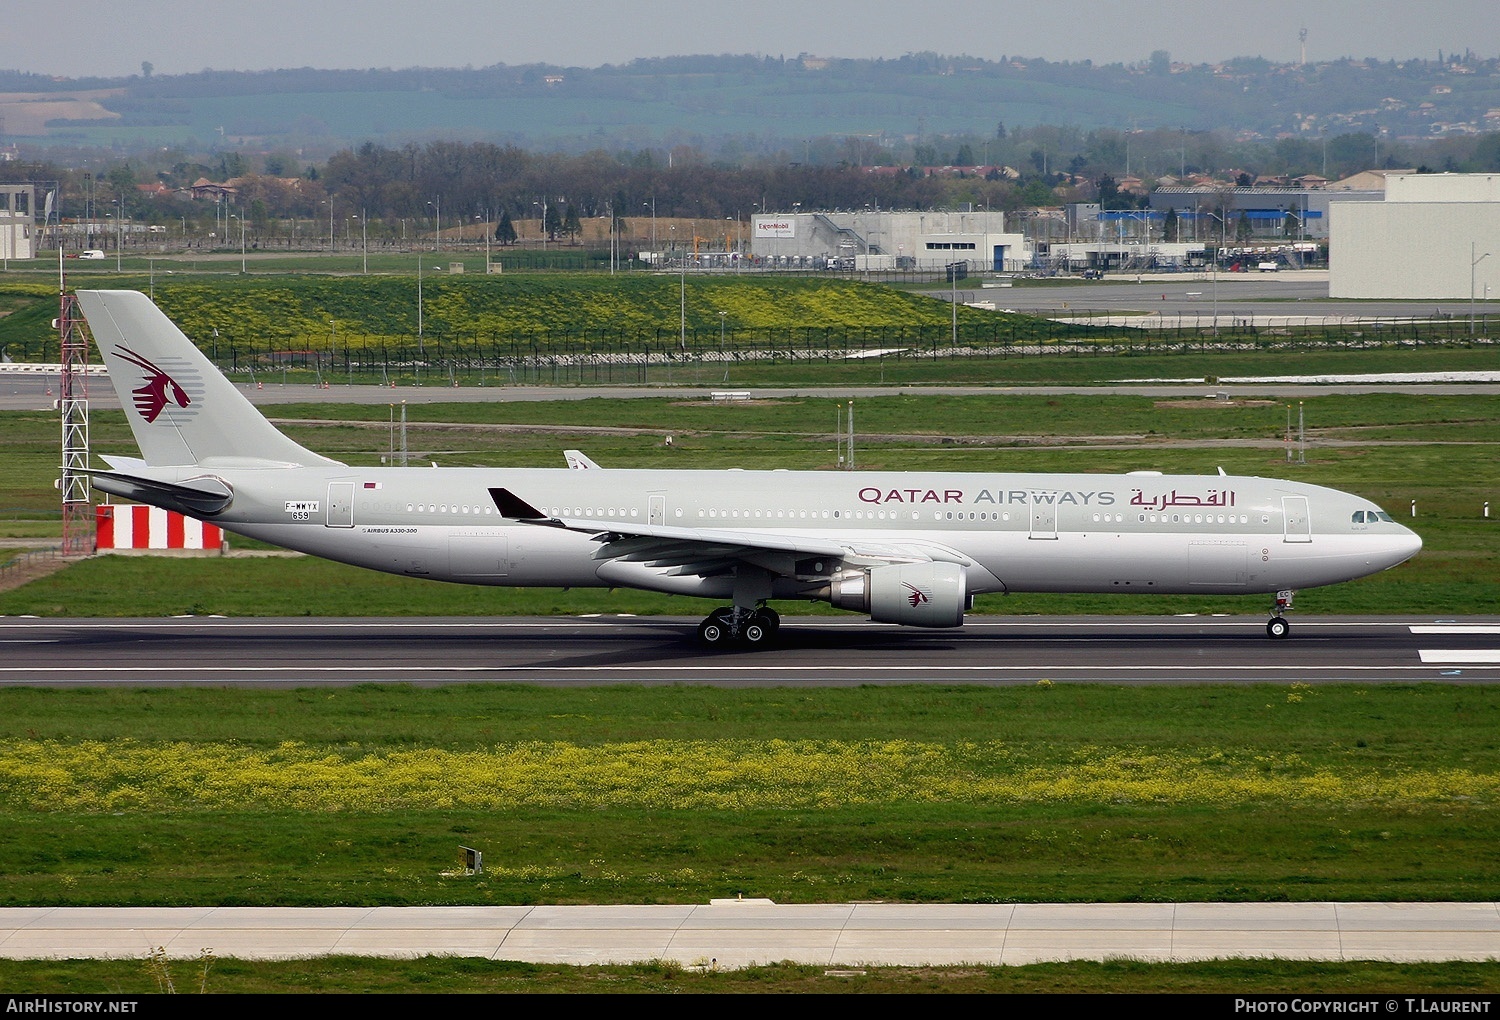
point(578, 460)
point(903, 547)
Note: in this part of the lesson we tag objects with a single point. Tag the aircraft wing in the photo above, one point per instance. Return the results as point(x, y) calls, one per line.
point(711, 551)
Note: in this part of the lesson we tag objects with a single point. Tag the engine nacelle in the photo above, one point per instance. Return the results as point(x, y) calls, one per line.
point(913, 594)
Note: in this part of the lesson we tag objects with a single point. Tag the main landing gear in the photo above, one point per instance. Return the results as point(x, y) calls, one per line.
point(1278, 626)
point(750, 628)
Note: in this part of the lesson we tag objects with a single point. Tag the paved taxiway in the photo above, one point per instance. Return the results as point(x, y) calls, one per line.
point(37, 391)
point(738, 933)
point(585, 651)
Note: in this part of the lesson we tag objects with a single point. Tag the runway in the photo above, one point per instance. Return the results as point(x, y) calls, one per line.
point(812, 651)
point(738, 933)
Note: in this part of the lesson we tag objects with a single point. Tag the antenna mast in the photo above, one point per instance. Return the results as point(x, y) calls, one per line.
point(73, 403)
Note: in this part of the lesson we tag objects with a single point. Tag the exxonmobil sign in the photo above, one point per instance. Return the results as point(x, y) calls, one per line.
point(775, 226)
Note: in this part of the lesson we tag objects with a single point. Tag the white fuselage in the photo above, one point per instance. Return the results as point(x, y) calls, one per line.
point(1011, 532)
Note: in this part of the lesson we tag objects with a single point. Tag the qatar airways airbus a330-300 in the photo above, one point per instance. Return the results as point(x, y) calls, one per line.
point(909, 548)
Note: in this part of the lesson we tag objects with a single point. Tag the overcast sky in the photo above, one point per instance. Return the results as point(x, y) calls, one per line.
point(181, 36)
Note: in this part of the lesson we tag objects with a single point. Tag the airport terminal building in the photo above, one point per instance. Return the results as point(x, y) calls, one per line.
point(1434, 237)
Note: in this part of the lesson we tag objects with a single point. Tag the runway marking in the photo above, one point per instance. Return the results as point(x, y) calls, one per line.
point(1458, 656)
point(1475, 656)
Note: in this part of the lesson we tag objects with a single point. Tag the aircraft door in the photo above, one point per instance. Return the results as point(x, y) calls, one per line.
point(656, 508)
point(1043, 514)
point(340, 504)
point(1298, 526)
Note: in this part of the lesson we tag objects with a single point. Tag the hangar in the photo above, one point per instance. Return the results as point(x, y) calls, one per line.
point(1434, 237)
point(876, 239)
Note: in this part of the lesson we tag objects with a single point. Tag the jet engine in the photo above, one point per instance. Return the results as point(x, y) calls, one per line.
point(913, 594)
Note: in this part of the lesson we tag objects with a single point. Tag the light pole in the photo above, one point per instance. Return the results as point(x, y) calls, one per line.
point(438, 209)
point(333, 241)
point(364, 237)
point(241, 218)
point(953, 275)
point(120, 233)
point(681, 294)
point(419, 304)
point(1473, 265)
point(1217, 252)
point(653, 223)
point(610, 208)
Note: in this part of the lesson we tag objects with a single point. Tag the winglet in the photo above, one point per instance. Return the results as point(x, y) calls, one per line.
point(578, 461)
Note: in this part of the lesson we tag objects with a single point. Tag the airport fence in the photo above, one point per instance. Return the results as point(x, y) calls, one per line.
point(616, 356)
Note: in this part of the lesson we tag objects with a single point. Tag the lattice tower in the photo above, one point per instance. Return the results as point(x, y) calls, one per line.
point(77, 506)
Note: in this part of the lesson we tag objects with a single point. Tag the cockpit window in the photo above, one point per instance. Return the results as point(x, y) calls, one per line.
point(1359, 517)
point(1371, 516)
point(1385, 517)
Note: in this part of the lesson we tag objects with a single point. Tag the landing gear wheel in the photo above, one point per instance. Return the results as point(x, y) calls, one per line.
point(714, 630)
point(761, 628)
point(1278, 628)
point(756, 633)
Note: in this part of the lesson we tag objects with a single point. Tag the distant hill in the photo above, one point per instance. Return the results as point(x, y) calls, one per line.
point(748, 104)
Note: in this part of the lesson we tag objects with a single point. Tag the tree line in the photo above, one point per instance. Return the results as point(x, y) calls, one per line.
point(441, 183)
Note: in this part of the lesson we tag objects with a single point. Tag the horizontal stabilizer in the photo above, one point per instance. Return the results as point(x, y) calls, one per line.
point(197, 497)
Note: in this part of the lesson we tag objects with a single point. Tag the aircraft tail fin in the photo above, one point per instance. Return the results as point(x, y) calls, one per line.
point(181, 408)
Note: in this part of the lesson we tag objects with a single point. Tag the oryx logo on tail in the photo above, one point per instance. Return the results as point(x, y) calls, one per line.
point(151, 399)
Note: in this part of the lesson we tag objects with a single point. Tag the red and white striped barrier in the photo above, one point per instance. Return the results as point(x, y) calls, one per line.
point(149, 527)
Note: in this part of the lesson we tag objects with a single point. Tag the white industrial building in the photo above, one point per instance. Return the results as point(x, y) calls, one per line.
point(17, 221)
point(878, 240)
point(1434, 237)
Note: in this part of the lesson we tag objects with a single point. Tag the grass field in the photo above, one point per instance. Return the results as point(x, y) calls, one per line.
point(449, 975)
point(919, 794)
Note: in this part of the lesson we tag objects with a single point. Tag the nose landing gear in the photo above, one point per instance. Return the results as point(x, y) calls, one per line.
point(1278, 626)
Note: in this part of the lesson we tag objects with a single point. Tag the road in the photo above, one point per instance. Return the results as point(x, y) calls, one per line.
point(36, 391)
point(813, 651)
point(725, 934)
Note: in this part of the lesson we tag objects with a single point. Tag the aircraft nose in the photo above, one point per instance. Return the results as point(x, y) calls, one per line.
point(1402, 547)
